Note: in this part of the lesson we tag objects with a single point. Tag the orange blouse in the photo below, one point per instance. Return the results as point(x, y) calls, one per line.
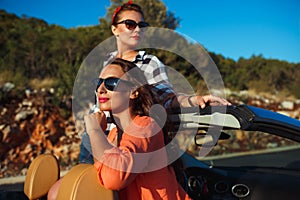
point(137, 168)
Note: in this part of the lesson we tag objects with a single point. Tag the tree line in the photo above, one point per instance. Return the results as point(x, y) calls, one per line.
point(34, 54)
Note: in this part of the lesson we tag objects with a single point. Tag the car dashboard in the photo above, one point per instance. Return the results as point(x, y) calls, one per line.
point(232, 183)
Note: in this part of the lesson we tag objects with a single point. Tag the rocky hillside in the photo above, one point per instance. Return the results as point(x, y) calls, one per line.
point(33, 125)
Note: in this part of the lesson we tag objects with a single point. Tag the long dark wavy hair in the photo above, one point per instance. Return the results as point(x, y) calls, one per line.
point(145, 99)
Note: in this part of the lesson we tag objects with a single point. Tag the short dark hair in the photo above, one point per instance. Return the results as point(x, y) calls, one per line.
point(126, 7)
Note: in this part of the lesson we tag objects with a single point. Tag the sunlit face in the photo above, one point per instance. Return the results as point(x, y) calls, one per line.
point(129, 38)
point(118, 99)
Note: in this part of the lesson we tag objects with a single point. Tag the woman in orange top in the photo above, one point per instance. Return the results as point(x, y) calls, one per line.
point(133, 158)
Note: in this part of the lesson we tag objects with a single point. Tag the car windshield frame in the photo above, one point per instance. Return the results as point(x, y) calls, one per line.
point(257, 124)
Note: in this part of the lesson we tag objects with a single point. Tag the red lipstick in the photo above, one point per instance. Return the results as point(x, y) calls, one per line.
point(103, 99)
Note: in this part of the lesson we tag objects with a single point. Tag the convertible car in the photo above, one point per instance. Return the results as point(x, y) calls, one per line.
point(237, 152)
point(256, 155)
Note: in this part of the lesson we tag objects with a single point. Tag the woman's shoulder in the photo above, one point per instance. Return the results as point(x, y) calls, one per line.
point(142, 120)
point(142, 131)
point(143, 124)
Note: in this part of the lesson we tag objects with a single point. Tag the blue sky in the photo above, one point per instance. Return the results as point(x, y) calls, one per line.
point(233, 28)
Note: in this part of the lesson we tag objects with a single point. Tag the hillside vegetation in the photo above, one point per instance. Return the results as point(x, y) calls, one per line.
point(35, 55)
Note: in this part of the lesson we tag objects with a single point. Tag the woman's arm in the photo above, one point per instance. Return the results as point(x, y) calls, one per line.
point(119, 166)
point(155, 72)
point(95, 124)
point(202, 101)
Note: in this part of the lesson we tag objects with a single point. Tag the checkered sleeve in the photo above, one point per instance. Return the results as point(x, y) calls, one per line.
point(164, 94)
point(156, 74)
point(154, 69)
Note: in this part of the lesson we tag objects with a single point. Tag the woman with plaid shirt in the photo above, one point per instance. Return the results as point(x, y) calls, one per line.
point(127, 24)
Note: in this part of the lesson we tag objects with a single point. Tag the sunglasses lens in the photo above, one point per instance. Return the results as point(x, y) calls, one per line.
point(130, 24)
point(143, 24)
point(111, 83)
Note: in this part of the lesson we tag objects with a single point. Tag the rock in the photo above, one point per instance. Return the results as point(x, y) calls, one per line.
point(7, 87)
point(287, 105)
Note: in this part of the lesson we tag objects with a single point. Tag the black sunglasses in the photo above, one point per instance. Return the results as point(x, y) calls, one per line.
point(131, 24)
point(110, 83)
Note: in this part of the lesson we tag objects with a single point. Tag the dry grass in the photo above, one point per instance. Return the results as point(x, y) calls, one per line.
point(45, 83)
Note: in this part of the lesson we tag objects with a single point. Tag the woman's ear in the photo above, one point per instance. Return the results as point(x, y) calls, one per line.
point(114, 30)
point(134, 94)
